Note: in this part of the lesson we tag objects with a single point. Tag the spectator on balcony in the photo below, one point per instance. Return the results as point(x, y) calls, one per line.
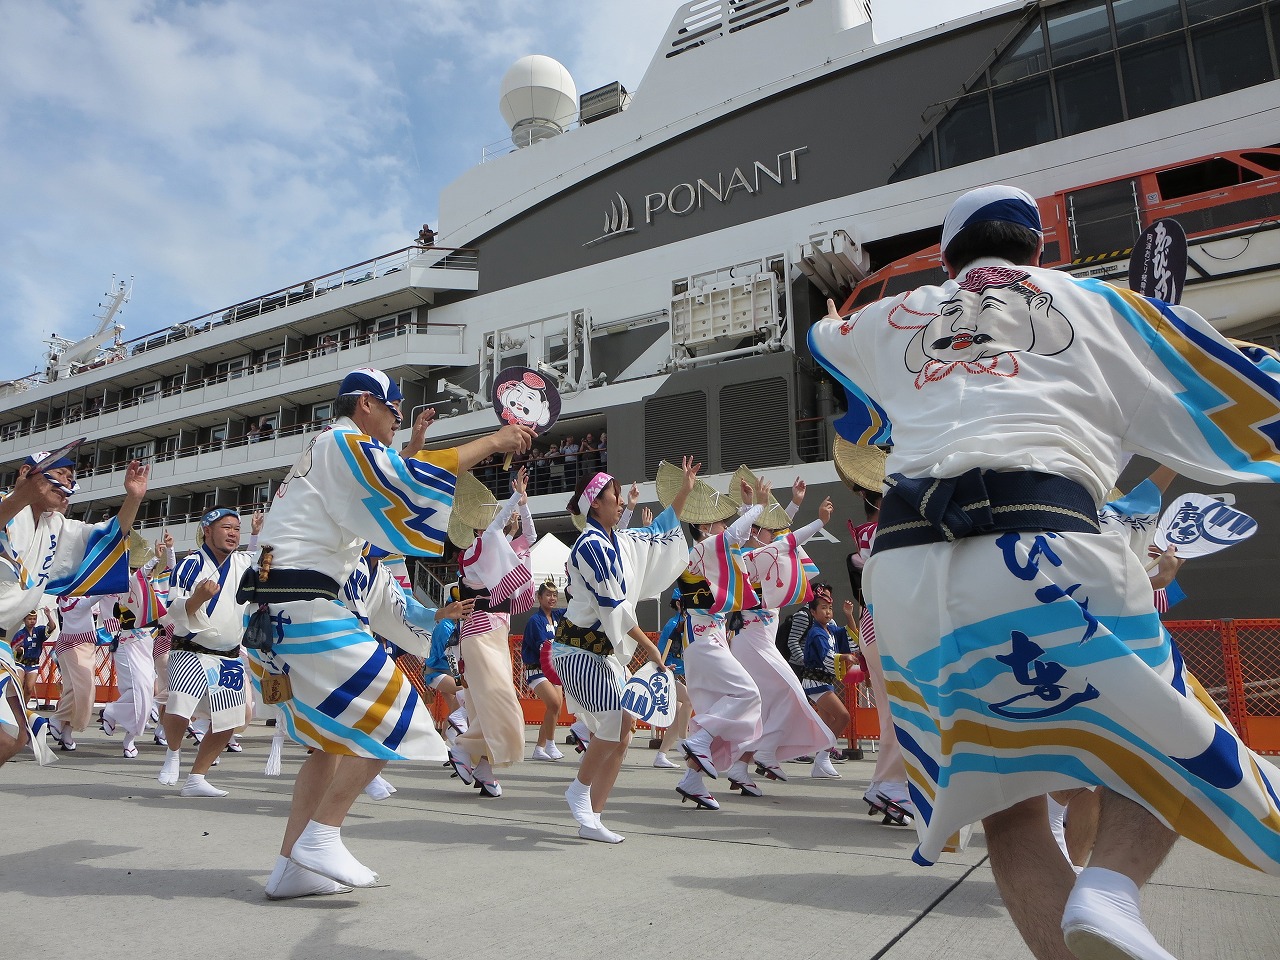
point(265, 430)
point(555, 469)
point(570, 448)
point(588, 459)
point(328, 345)
point(602, 450)
point(537, 471)
point(426, 236)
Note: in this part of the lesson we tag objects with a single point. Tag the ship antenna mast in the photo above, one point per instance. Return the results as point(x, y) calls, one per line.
point(71, 356)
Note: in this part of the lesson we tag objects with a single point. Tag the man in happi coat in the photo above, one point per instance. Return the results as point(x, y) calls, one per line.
point(1020, 646)
point(348, 700)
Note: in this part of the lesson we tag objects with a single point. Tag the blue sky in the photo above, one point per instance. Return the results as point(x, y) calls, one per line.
point(222, 149)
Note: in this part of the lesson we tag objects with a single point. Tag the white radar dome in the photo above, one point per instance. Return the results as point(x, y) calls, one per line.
point(539, 99)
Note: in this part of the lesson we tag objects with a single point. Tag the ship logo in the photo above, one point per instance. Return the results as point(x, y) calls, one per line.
point(616, 222)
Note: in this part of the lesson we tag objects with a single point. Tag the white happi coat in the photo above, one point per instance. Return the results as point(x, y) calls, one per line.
point(1021, 663)
point(346, 489)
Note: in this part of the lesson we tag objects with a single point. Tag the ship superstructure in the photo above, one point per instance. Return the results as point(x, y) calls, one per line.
point(662, 252)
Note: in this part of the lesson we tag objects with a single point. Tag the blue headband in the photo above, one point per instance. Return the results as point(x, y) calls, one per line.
point(216, 514)
point(998, 202)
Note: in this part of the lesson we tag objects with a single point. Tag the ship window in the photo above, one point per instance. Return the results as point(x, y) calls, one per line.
point(918, 163)
point(868, 293)
point(1104, 219)
point(1078, 30)
point(965, 134)
point(1166, 59)
point(1215, 174)
point(1138, 20)
point(1025, 58)
point(1199, 11)
point(910, 281)
point(1231, 54)
point(322, 411)
point(1268, 161)
point(1024, 114)
point(1088, 96)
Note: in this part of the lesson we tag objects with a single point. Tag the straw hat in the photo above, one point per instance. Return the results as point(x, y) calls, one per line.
point(139, 550)
point(704, 504)
point(774, 517)
point(474, 508)
point(860, 465)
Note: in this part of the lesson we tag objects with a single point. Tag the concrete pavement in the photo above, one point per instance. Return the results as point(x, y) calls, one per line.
point(100, 861)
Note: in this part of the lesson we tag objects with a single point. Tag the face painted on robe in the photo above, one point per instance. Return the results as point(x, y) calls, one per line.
point(997, 313)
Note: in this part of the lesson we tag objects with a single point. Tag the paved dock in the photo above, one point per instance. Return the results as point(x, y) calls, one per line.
point(102, 862)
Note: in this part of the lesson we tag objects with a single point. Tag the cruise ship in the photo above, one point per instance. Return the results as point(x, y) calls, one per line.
point(661, 252)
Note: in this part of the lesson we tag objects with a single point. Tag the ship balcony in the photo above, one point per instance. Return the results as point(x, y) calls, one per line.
point(394, 350)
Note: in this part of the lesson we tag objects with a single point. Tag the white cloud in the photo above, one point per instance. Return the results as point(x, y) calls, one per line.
point(221, 149)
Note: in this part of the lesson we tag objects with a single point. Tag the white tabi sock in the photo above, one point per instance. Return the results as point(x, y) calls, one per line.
point(738, 772)
point(198, 786)
point(600, 832)
point(1102, 917)
point(172, 765)
point(579, 797)
point(320, 850)
point(288, 880)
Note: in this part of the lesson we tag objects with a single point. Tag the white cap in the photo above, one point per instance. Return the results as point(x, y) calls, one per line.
point(998, 202)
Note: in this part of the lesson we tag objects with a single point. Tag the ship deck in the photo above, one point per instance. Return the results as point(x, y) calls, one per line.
point(100, 860)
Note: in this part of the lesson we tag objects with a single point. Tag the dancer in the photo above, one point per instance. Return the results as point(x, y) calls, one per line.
point(862, 470)
point(42, 551)
point(138, 611)
point(440, 673)
point(1020, 644)
point(726, 701)
point(348, 701)
point(205, 669)
point(494, 571)
point(671, 643)
point(76, 652)
point(162, 642)
point(539, 631)
point(610, 571)
point(779, 573)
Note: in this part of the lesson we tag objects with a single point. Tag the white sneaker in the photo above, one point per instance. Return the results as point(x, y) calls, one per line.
point(198, 786)
point(822, 768)
point(662, 761)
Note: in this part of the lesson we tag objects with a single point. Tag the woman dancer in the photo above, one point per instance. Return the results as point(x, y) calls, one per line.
point(610, 571)
point(495, 571)
point(539, 631)
point(779, 572)
point(726, 701)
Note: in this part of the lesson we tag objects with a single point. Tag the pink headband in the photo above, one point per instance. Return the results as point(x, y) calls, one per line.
point(598, 483)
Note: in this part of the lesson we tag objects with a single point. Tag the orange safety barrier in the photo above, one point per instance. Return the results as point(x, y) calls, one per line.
point(49, 683)
point(1236, 661)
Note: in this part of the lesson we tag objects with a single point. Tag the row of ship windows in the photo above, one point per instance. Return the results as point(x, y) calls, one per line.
point(233, 369)
point(1083, 65)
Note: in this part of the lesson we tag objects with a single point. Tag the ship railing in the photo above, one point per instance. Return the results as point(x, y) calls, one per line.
point(812, 445)
point(77, 413)
point(436, 258)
